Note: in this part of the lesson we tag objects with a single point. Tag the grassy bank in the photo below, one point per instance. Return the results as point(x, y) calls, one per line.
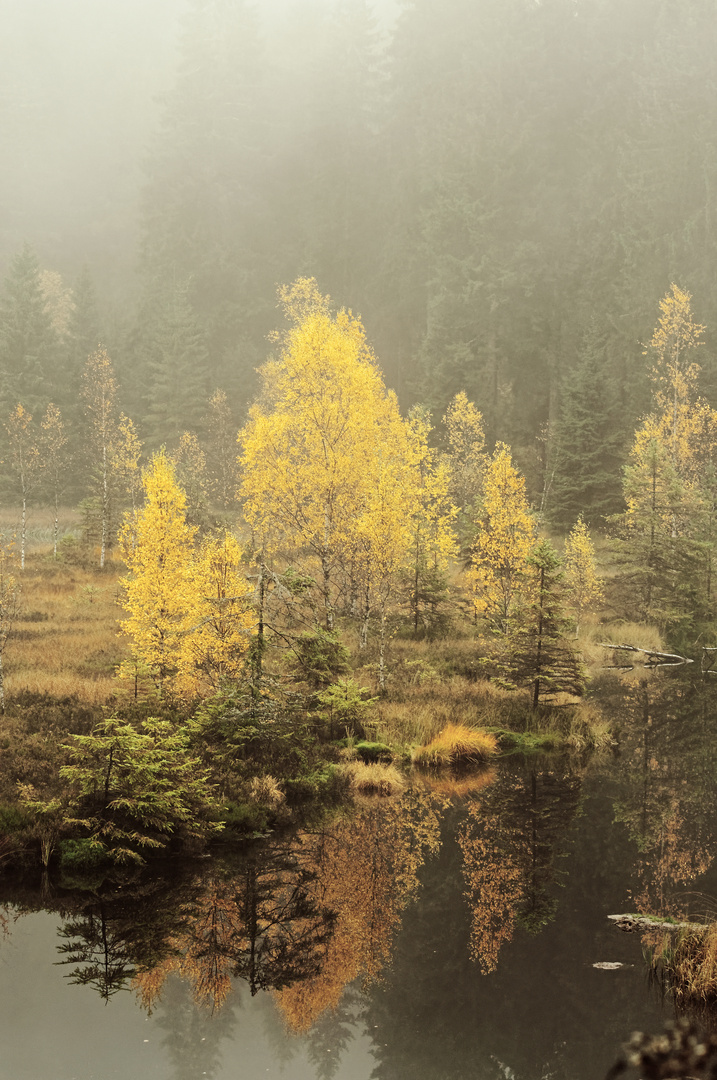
point(264, 752)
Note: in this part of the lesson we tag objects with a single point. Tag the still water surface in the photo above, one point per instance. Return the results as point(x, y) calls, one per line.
point(449, 934)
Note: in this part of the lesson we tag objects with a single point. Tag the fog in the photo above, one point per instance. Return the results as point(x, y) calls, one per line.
point(497, 186)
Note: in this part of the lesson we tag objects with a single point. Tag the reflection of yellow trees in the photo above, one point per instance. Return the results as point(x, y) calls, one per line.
point(508, 841)
point(673, 856)
point(366, 872)
point(494, 857)
point(202, 954)
point(260, 924)
point(668, 802)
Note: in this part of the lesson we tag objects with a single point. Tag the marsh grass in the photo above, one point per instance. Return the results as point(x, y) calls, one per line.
point(374, 778)
point(455, 745)
point(417, 711)
point(66, 641)
point(688, 959)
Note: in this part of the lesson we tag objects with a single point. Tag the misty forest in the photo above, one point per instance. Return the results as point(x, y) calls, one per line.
point(358, 538)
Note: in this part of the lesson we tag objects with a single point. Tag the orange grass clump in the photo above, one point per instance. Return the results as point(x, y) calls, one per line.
point(374, 778)
point(457, 744)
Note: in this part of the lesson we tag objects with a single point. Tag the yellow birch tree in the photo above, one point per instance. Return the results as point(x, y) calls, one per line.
point(584, 587)
point(675, 373)
point(466, 458)
point(505, 539)
point(160, 590)
point(310, 452)
point(216, 644)
point(56, 455)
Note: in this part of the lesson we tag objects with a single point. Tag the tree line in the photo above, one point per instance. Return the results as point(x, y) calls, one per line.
point(355, 511)
point(502, 188)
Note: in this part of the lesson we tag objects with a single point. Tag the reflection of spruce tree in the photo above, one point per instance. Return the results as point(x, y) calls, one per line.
point(332, 1033)
point(259, 922)
point(103, 959)
point(668, 799)
point(508, 842)
point(120, 932)
point(285, 929)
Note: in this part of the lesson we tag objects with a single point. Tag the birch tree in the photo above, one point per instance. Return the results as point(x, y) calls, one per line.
point(56, 455)
point(99, 393)
point(504, 541)
point(26, 461)
point(311, 448)
point(159, 593)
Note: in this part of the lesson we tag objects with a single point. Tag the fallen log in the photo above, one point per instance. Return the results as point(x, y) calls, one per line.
point(631, 923)
point(653, 655)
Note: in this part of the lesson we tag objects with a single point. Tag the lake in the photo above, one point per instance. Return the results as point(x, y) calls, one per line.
point(450, 933)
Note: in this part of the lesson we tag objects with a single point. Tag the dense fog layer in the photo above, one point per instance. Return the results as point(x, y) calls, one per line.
point(504, 189)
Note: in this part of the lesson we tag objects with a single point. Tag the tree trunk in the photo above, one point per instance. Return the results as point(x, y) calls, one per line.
point(104, 507)
point(23, 530)
point(382, 652)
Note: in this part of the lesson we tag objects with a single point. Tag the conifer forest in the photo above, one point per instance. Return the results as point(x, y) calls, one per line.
point(358, 521)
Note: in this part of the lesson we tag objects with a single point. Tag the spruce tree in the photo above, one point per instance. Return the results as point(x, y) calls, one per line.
point(584, 475)
point(543, 658)
point(176, 371)
point(82, 339)
point(28, 343)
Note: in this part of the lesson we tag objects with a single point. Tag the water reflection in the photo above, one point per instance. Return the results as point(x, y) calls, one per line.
point(509, 844)
point(450, 932)
point(668, 797)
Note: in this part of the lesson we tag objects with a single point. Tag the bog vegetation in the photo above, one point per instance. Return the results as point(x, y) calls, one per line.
point(253, 621)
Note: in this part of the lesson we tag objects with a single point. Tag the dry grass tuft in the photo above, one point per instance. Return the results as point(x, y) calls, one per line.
point(266, 791)
point(374, 778)
point(457, 744)
point(422, 711)
point(690, 963)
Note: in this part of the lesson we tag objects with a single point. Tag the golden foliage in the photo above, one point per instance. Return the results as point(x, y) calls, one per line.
point(506, 534)
point(466, 459)
point(584, 587)
point(188, 609)
point(159, 593)
point(494, 860)
point(329, 468)
point(367, 871)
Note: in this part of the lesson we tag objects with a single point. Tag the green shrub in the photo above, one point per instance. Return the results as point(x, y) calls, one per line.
point(248, 819)
point(327, 784)
point(373, 751)
point(13, 819)
point(319, 658)
point(346, 706)
point(82, 855)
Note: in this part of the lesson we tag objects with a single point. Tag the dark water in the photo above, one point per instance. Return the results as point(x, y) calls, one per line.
point(449, 934)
